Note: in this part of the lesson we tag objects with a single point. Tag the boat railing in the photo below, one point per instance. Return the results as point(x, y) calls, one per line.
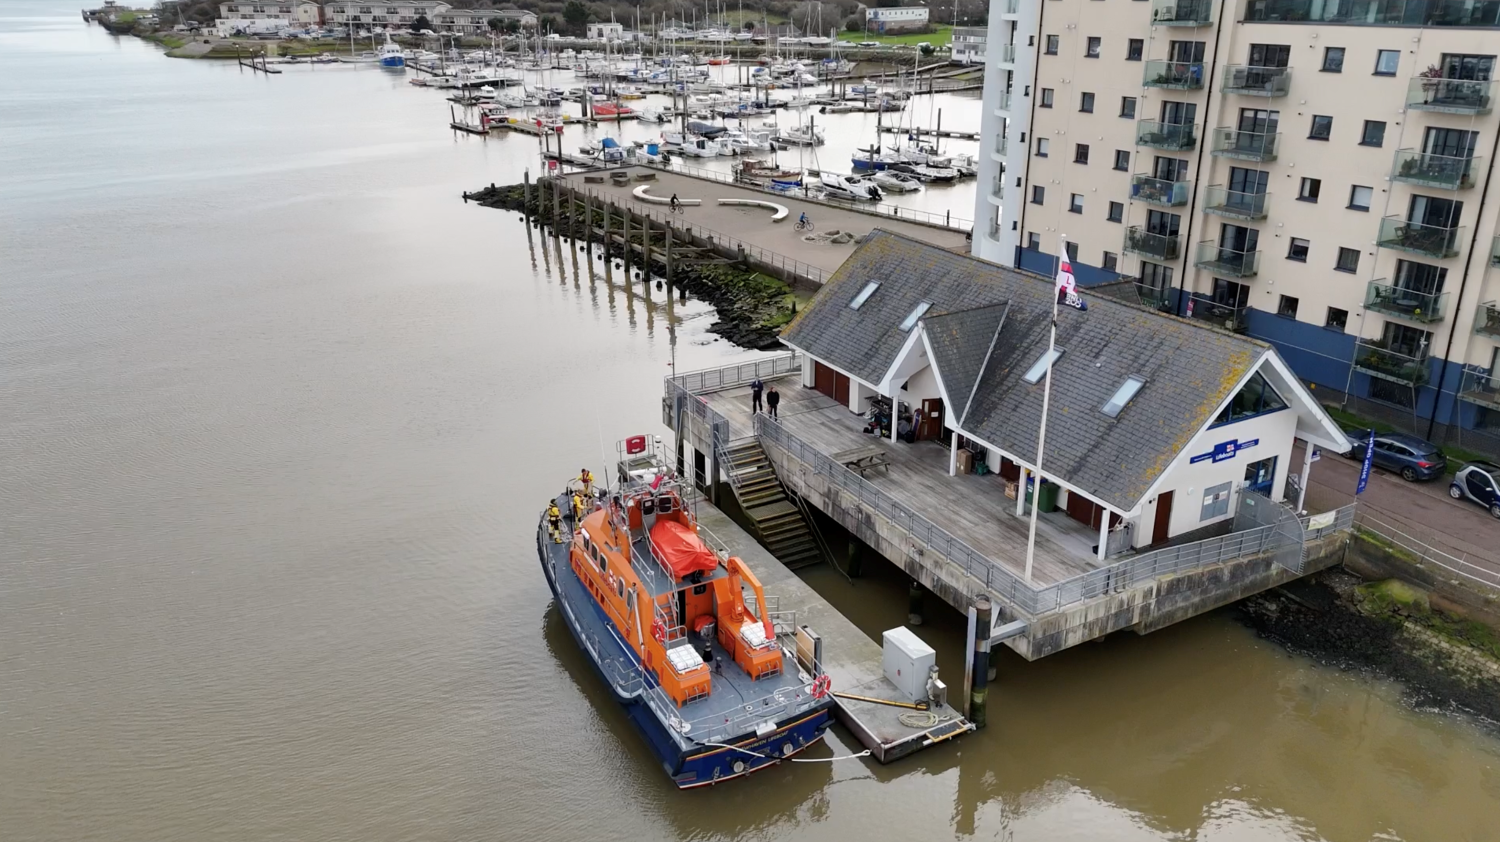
point(720, 724)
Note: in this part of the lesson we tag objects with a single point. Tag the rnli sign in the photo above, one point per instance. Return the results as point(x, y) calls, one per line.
point(1224, 451)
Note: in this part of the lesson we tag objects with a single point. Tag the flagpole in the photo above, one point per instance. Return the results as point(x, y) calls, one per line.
point(1041, 435)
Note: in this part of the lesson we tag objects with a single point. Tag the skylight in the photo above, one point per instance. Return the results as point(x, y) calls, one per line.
point(864, 295)
point(1039, 368)
point(1122, 396)
point(911, 320)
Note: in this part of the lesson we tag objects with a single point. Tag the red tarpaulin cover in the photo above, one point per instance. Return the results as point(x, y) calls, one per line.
point(681, 549)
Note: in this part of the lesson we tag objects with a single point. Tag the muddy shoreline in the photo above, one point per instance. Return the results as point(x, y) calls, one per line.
point(752, 307)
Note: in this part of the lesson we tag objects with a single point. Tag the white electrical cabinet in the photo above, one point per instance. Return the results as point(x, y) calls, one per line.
point(907, 662)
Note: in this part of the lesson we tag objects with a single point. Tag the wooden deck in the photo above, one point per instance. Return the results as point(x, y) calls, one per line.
point(972, 508)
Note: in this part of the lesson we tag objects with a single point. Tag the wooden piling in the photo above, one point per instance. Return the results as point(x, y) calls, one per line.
point(627, 244)
point(980, 660)
point(609, 263)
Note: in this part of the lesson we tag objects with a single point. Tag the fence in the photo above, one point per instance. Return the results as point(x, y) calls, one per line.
point(739, 374)
point(939, 220)
point(1405, 538)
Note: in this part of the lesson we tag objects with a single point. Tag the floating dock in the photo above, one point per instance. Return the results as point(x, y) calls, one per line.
point(852, 660)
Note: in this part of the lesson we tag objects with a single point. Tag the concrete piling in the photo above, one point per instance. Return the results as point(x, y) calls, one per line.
point(979, 690)
point(854, 558)
point(914, 603)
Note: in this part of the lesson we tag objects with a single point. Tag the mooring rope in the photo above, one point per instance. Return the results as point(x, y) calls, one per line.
point(865, 753)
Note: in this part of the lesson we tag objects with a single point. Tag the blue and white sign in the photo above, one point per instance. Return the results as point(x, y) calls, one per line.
point(1364, 469)
point(1224, 451)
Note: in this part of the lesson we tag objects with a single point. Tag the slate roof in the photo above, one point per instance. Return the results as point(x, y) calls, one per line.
point(1189, 369)
point(961, 344)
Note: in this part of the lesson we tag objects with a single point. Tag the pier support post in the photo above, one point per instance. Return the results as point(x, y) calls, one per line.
point(609, 262)
point(979, 620)
point(668, 260)
point(556, 206)
point(854, 557)
point(526, 195)
point(646, 251)
point(588, 225)
point(627, 245)
point(914, 603)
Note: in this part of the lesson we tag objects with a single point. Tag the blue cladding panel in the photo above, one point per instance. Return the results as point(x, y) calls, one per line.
point(1042, 263)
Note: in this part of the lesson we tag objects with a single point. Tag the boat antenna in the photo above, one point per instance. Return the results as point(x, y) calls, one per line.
point(603, 453)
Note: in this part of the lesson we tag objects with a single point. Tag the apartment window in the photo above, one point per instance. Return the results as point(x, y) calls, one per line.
point(1081, 153)
point(1359, 198)
point(1127, 107)
point(1051, 45)
point(1086, 102)
point(1298, 250)
point(1333, 60)
point(1116, 211)
point(1135, 49)
point(1322, 127)
point(1374, 134)
point(1111, 262)
point(1042, 144)
point(1287, 307)
point(1046, 100)
point(1092, 50)
point(1386, 62)
point(1075, 205)
point(1337, 319)
point(1038, 194)
point(1155, 276)
point(1122, 160)
point(1072, 250)
point(1034, 241)
point(1348, 260)
point(1309, 190)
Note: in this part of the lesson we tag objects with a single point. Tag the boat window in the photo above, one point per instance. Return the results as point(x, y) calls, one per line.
point(864, 295)
point(1122, 396)
point(1040, 367)
point(911, 320)
point(620, 586)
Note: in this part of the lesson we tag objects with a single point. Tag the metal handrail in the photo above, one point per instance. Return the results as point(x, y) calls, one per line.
point(738, 374)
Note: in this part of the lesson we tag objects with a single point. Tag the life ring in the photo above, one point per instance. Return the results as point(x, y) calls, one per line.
point(821, 686)
point(659, 631)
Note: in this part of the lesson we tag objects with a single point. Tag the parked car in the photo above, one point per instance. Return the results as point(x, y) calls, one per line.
point(1413, 458)
point(1478, 482)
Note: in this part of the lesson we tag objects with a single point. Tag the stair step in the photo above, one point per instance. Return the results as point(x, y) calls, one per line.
point(779, 522)
point(764, 498)
point(794, 545)
point(801, 562)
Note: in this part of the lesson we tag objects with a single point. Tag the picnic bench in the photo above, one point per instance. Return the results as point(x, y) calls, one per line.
point(861, 460)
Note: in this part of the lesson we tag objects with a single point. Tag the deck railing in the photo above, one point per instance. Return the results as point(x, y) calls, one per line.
point(739, 374)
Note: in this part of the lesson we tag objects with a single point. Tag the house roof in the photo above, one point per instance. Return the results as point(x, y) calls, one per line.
point(961, 344)
point(1189, 369)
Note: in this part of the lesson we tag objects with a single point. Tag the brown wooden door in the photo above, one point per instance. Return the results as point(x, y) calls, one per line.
point(1159, 532)
point(841, 388)
point(1083, 510)
point(932, 419)
point(823, 378)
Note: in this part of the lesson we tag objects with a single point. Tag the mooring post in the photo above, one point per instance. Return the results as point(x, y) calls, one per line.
point(853, 557)
point(588, 224)
point(979, 694)
point(646, 251)
point(608, 209)
point(526, 194)
point(668, 260)
point(914, 603)
point(627, 245)
point(556, 206)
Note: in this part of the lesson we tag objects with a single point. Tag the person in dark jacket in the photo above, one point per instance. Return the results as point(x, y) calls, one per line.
point(773, 400)
point(756, 387)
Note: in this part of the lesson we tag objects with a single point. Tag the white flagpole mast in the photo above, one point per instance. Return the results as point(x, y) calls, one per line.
point(1041, 435)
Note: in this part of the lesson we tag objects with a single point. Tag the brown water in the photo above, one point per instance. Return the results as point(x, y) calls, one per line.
point(276, 414)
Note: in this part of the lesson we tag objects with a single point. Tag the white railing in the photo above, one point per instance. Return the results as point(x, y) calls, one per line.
point(1405, 537)
point(738, 374)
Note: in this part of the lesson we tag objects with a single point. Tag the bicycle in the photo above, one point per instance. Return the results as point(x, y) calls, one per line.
point(674, 208)
point(804, 225)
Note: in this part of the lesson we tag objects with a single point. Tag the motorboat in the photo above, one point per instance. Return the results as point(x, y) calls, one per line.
point(800, 135)
point(872, 159)
point(925, 173)
point(751, 171)
point(390, 54)
point(366, 57)
point(895, 182)
point(849, 187)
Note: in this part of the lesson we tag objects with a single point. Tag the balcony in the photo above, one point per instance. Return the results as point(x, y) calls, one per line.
point(1245, 146)
point(1373, 357)
point(1158, 135)
point(1002, 104)
point(1431, 240)
point(1180, 76)
point(1160, 246)
point(1160, 192)
point(1408, 13)
point(1406, 303)
point(1226, 262)
point(1001, 145)
point(1441, 171)
point(1005, 53)
point(1181, 13)
point(1449, 96)
point(1257, 81)
point(1228, 316)
point(997, 188)
point(1487, 320)
point(1234, 204)
point(1481, 387)
point(1154, 297)
point(1011, 7)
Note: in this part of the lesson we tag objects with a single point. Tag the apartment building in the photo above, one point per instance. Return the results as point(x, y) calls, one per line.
point(294, 12)
point(891, 20)
point(382, 15)
point(968, 44)
point(1315, 173)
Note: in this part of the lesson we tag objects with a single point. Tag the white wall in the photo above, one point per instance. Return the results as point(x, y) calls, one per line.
point(857, 394)
point(920, 386)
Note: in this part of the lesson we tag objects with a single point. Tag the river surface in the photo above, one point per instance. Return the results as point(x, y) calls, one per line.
point(277, 413)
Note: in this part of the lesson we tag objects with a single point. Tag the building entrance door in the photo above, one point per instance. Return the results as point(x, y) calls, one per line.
point(1161, 529)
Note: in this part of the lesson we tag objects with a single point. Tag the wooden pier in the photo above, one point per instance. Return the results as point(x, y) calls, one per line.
point(949, 133)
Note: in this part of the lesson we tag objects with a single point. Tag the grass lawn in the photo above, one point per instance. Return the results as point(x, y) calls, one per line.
point(941, 35)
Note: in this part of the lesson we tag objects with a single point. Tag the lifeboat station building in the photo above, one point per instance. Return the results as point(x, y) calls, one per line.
point(1164, 484)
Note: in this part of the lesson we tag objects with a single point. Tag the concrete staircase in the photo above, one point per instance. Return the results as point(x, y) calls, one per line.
point(781, 521)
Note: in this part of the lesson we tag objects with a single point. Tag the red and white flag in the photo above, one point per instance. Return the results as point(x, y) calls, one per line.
point(1067, 287)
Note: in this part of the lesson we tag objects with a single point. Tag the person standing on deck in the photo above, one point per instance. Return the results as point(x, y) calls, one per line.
point(756, 388)
point(586, 479)
point(554, 522)
point(773, 400)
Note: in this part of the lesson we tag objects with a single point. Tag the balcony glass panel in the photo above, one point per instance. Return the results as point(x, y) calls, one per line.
point(1441, 171)
point(1182, 76)
point(1205, 309)
point(1487, 320)
point(1007, 53)
point(1373, 357)
point(1406, 303)
point(1226, 262)
point(1181, 12)
point(1257, 81)
point(1495, 252)
point(1431, 240)
point(1150, 296)
point(1222, 201)
point(1001, 144)
point(1377, 12)
point(1159, 191)
point(997, 189)
point(1165, 135)
point(1011, 7)
point(1452, 96)
point(1002, 103)
point(1140, 241)
point(1246, 146)
point(1481, 387)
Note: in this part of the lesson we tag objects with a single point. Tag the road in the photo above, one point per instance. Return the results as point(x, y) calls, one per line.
point(1455, 526)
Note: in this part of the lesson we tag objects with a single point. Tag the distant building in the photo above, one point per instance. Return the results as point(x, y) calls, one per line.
point(463, 21)
point(900, 19)
point(297, 13)
point(521, 16)
point(968, 44)
point(382, 15)
point(606, 31)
